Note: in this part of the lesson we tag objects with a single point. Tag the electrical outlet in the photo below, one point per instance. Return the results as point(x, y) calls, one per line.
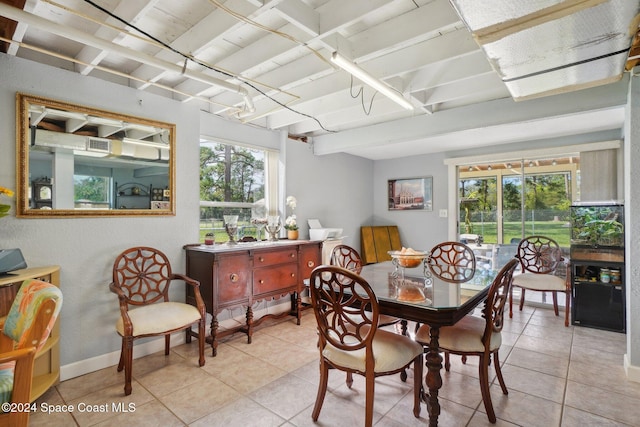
point(443, 213)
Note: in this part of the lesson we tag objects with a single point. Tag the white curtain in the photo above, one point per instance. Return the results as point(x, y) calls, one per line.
point(271, 187)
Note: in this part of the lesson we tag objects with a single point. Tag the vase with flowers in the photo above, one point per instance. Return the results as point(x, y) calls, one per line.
point(291, 223)
point(4, 209)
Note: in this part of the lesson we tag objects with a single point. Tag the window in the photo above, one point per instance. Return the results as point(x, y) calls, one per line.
point(233, 181)
point(91, 191)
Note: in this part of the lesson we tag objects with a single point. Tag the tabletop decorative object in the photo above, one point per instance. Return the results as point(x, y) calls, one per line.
point(231, 227)
point(410, 290)
point(273, 227)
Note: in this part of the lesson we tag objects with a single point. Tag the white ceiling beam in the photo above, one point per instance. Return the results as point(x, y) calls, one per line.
point(79, 36)
point(418, 25)
point(493, 113)
point(464, 88)
point(300, 15)
point(251, 61)
point(21, 28)
point(129, 10)
point(421, 55)
point(339, 13)
point(209, 30)
point(450, 70)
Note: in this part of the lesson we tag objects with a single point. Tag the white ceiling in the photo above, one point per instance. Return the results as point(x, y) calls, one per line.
point(274, 55)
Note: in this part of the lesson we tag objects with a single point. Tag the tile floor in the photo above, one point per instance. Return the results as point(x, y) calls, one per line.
point(556, 376)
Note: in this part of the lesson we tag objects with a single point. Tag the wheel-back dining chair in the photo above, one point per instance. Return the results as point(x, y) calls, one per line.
point(452, 262)
point(24, 332)
point(347, 313)
point(479, 336)
point(540, 257)
point(141, 279)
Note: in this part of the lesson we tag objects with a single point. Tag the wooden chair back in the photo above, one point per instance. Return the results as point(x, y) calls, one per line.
point(452, 262)
point(346, 257)
point(345, 307)
point(493, 310)
point(143, 275)
point(539, 254)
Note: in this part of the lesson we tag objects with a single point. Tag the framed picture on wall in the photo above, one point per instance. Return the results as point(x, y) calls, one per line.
point(411, 194)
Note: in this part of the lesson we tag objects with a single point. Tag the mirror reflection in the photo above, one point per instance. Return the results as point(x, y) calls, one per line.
point(80, 161)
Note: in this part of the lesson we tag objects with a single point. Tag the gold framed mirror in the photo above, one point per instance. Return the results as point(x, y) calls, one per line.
point(78, 161)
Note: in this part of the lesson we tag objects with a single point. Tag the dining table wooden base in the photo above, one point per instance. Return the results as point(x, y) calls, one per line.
point(433, 378)
point(443, 304)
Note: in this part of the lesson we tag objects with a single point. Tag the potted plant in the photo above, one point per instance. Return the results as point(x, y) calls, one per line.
point(291, 223)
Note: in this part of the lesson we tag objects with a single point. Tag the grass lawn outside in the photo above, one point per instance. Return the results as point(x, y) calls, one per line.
point(560, 231)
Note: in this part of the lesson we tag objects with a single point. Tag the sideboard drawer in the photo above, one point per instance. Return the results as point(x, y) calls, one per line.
point(275, 278)
point(282, 256)
point(310, 259)
point(233, 276)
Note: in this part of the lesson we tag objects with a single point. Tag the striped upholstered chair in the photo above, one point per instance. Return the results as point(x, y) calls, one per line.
point(24, 332)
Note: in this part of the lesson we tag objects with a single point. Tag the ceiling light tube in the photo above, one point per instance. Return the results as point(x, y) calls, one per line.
point(145, 143)
point(367, 78)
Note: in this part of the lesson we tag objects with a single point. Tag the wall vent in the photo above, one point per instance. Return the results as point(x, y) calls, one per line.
point(101, 145)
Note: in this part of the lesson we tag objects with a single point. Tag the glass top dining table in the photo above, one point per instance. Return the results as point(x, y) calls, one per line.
point(415, 294)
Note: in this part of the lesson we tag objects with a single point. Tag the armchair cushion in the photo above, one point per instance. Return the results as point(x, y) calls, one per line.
point(6, 381)
point(25, 308)
point(159, 318)
point(391, 352)
point(540, 282)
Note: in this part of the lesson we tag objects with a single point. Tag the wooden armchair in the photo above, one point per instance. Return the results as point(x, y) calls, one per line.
point(25, 330)
point(141, 278)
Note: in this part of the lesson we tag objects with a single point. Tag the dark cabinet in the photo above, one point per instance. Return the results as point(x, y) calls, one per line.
point(598, 288)
point(597, 266)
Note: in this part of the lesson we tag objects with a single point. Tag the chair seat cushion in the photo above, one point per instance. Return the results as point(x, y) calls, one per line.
point(6, 381)
point(465, 336)
point(158, 318)
point(540, 282)
point(386, 320)
point(391, 352)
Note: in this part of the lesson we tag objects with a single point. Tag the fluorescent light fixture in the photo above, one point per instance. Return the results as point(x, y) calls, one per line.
point(146, 143)
point(367, 78)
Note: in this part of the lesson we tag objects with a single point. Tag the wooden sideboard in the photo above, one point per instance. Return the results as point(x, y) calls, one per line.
point(242, 274)
point(46, 369)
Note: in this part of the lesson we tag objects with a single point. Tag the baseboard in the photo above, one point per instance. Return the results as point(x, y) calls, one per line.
point(103, 361)
point(633, 372)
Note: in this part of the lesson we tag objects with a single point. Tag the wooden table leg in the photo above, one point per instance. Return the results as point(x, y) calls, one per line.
point(433, 377)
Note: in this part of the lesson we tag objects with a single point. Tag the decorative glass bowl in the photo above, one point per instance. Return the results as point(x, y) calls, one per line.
point(408, 260)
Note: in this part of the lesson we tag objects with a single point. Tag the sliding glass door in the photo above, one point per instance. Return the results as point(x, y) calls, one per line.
point(505, 201)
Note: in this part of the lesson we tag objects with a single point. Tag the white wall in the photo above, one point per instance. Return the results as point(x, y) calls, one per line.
point(335, 189)
point(86, 247)
point(418, 229)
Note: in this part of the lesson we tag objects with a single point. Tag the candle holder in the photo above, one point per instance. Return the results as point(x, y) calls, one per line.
point(273, 227)
point(231, 227)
